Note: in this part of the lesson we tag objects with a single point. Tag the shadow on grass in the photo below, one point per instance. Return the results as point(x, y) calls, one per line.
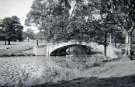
point(127, 81)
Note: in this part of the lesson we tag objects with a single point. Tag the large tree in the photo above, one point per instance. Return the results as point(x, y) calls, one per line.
point(82, 19)
point(64, 19)
point(12, 28)
point(122, 16)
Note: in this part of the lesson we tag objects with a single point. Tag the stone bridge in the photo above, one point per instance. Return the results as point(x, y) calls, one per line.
point(51, 48)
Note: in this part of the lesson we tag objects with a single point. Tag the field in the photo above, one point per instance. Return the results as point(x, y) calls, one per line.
point(18, 48)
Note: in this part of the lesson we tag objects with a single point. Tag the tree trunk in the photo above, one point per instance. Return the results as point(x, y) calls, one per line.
point(127, 42)
point(131, 50)
point(9, 42)
point(5, 42)
point(115, 43)
point(37, 43)
point(110, 39)
point(28, 39)
point(105, 44)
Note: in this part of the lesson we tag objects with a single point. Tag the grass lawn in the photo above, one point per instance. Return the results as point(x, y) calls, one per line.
point(17, 49)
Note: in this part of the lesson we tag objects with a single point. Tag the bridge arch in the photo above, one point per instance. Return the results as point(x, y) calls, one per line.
point(62, 51)
point(51, 47)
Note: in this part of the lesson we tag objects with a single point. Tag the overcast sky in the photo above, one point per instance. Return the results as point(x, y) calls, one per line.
point(19, 8)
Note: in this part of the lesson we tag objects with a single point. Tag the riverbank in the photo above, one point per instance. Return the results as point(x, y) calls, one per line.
point(112, 74)
point(126, 81)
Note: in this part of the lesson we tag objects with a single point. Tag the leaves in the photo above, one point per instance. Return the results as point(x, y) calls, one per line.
point(12, 28)
point(54, 17)
point(80, 19)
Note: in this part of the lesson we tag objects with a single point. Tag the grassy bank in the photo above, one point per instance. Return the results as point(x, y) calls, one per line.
point(126, 81)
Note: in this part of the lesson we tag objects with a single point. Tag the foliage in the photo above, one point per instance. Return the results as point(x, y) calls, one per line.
point(87, 20)
point(11, 28)
point(120, 13)
point(29, 34)
point(116, 17)
point(63, 20)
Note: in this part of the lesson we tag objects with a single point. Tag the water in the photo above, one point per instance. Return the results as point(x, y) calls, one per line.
point(24, 59)
point(30, 70)
point(22, 70)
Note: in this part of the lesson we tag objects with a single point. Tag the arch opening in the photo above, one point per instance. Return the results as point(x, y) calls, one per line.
point(74, 49)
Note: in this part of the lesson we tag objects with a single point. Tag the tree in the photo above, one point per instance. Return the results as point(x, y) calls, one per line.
point(30, 34)
point(122, 14)
point(40, 35)
point(78, 19)
point(12, 28)
point(62, 19)
point(43, 15)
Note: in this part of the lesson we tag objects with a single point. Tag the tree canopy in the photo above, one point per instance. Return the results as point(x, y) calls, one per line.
point(64, 19)
point(81, 19)
point(11, 29)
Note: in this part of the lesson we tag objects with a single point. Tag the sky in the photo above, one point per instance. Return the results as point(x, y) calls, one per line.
point(19, 8)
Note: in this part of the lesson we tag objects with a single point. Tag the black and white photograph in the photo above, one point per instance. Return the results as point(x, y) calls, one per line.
point(67, 43)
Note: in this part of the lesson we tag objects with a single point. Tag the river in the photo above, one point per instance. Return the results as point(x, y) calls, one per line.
point(30, 70)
